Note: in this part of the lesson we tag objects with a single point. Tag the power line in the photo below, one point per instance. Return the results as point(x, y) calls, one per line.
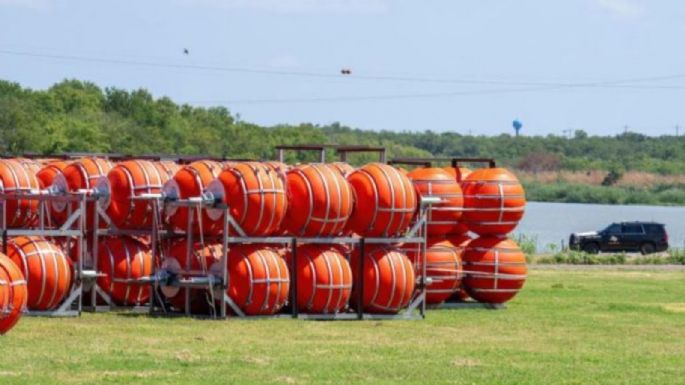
point(615, 83)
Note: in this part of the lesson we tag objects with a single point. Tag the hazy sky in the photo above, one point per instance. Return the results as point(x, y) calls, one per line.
point(453, 65)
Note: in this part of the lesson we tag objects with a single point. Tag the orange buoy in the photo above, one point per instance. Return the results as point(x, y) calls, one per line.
point(459, 173)
point(190, 181)
point(385, 201)
point(324, 279)
point(121, 260)
point(444, 269)
point(81, 174)
point(123, 188)
point(47, 270)
point(343, 168)
point(176, 261)
point(494, 201)
point(443, 217)
point(16, 179)
point(47, 174)
point(388, 279)
point(259, 281)
point(319, 201)
point(495, 269)
point(13, 294)
point(255, 195)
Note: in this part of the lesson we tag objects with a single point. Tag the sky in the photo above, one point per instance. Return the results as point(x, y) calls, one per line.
point(467, 66)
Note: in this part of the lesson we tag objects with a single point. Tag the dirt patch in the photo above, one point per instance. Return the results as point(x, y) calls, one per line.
point(463, 362)
point(677, 307)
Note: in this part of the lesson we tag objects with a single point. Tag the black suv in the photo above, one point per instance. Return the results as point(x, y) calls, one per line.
point(645, 237)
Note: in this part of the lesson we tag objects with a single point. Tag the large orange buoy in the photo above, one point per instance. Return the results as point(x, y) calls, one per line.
point(13, 294)
point(388, 279)
point(343, 168)
point(190, 181)
point(324, 279)
point(121, 260)
point(259, 281)
point(176, 261)
point(319, 201)
point(443, 217)
point(385, 201)
point(47, 174)
point(495, 269)
point(81, 174)
point(494, 201)
point(123, 188)
point(16, 179)
point(458, 173)
point(444, 269)
point(47, 270)
point(255, 195)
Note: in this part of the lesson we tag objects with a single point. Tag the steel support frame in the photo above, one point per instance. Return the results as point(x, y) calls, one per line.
point(73, 227)
point(416, 235)
point(156, 306)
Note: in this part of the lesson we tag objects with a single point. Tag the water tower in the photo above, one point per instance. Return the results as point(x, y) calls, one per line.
point(517, 126)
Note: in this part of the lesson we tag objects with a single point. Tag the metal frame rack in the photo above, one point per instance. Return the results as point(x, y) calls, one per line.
point(88, 269)
point(453, 302)
point(213, 280)
point(416, 235)
point(73, 229)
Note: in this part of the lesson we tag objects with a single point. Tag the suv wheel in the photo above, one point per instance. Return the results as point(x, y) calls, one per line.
point(647, 248)
point(591, 248)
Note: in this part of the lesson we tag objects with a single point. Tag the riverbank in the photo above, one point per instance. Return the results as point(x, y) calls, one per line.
point(564, 192)
point(592, 186)
point(570, 257)
point(553, 255)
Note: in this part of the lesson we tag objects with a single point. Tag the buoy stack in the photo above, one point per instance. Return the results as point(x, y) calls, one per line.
point(494, 203)
point(486, 203)
point(258, 237)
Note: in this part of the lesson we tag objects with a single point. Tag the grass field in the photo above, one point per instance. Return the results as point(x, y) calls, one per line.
point(566, 327)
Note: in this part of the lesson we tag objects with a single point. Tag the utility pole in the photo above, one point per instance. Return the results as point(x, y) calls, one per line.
point(625, 129)
point(677, 130)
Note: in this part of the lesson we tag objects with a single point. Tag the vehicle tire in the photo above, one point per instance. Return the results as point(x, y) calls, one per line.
point(647, 248)
point(591, 248)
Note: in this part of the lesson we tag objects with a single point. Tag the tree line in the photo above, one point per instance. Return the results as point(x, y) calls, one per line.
point(77, 116)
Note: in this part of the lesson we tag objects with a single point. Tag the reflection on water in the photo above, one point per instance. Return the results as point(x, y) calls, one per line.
point(553, 222)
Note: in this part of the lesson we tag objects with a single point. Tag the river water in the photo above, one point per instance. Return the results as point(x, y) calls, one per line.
point(550, 223)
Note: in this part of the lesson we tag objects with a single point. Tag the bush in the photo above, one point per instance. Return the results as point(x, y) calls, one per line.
point(581, 193)
point(580, 258)
point(672, 257)
point(528, 245)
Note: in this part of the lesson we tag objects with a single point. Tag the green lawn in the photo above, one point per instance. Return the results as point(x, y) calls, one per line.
point(566, 327)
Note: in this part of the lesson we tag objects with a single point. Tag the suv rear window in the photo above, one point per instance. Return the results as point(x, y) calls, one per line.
point(632, 229)
point(654, 229)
